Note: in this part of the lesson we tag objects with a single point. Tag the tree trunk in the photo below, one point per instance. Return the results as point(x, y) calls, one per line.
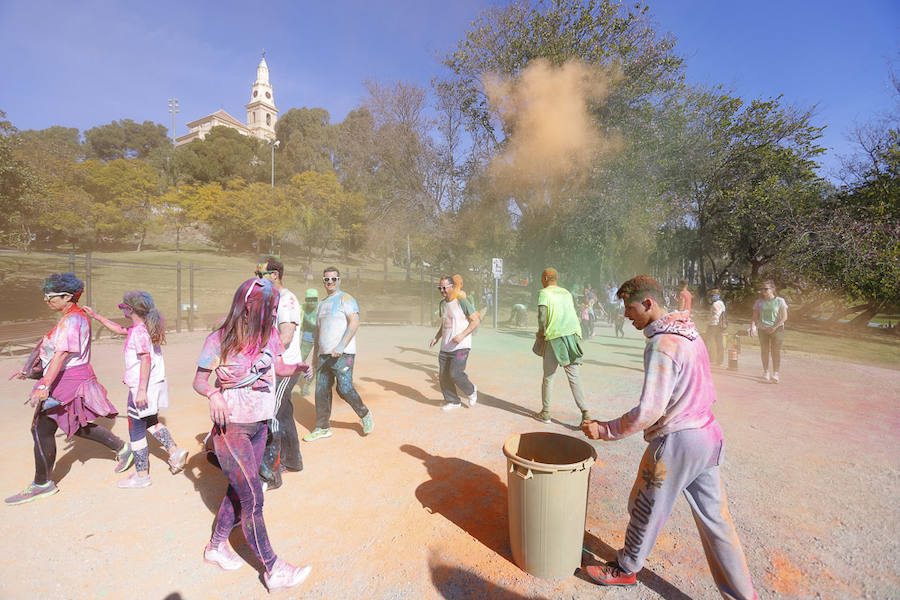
point(841, 312)
point(861, 321)
point(141, 240)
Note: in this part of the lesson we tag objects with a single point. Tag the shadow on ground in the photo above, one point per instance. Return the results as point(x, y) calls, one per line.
point(454, 583)
point(597, 552)
point(468, 495)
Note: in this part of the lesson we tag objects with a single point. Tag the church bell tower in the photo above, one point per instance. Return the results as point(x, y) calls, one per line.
point(261, 111)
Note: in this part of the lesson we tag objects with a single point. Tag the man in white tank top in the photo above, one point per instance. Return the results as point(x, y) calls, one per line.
point(458, 321)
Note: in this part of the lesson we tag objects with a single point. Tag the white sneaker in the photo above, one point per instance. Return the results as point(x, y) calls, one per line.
point(473, 397)
point(223, 555)
point(767, 377)
point(775, 377)
point(451, 405)
point(285, 575)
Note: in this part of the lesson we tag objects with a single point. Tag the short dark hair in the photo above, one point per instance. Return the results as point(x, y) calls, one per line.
point(331, 270)
point(447, 278)
point(682, 283)
point(271, 264)
point(637, 288)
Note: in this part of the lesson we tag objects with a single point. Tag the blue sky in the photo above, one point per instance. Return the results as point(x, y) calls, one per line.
point(81, 64)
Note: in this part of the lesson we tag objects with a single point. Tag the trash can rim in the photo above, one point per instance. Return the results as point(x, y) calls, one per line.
point(549, 467)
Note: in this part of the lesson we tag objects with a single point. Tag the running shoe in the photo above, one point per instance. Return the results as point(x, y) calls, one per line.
point(285, 575)
point(368, 424)
point(135, 480)
point(610, 574)
point(317, 434)
point(775, 377)
point(473, 397)
point(33, 492)
point(223, 556)
point(124, 458)
point(177, 461)
point(543, 416)
point(450, 405)
point(767, 376)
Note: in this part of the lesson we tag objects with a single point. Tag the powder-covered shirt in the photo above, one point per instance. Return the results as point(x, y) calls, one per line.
point(685, 298)
point(561, 317)
point(332, 320)
point(289, 312)
point(715, 313)
point(248, 404)
point(678, 388)
point(454, 319)
point(768, 310)
point(72, 334)
point(138, 342)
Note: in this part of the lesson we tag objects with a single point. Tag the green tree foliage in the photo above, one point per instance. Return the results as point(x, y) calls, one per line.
point(125, 139)
point(18, 183)
point(222, 156)
point(307, 143)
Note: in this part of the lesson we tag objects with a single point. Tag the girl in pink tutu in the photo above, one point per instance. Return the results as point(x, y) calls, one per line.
point(145, 376)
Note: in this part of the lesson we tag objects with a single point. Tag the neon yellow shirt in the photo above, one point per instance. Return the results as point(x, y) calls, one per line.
point(561, 317)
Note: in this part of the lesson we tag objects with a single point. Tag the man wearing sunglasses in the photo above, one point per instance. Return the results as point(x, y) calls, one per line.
point(282, 445)
point(336, 323)
point(458, 321)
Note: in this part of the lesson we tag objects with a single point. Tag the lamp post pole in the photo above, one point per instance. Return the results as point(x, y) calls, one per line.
point(173, 109)
point(275, 144)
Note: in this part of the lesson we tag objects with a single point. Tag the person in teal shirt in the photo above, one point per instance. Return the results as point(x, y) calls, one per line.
point(769, 314)
point(308, 332)
point(560, 328)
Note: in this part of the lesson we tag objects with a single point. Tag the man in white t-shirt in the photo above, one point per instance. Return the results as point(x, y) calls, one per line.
point(337, 320)
point(282, 445)
point(458, 320)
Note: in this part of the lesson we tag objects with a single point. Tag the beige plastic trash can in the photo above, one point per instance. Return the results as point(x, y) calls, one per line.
point(548, 476)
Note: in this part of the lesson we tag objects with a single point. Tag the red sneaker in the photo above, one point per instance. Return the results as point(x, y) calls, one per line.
point(610, 574)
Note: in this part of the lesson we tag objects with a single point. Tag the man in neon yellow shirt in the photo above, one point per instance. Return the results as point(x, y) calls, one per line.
point(561, 329)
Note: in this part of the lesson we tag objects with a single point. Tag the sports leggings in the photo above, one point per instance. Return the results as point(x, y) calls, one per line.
point(43, 431)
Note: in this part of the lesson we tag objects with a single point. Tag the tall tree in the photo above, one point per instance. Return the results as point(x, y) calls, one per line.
point(125, 139)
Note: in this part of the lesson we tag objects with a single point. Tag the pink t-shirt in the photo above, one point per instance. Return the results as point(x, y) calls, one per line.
point(685, 298)
point(138, 342)
point(245, 404)
point(72, 334)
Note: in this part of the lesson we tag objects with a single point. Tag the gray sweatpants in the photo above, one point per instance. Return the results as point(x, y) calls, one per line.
point(687, 461)
point(550, 365)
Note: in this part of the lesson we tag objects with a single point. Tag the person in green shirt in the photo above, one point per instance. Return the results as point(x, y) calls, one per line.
point(308, 332)
point(560, 328)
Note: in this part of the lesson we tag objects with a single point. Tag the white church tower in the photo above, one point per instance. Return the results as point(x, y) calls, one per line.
point(261, 111)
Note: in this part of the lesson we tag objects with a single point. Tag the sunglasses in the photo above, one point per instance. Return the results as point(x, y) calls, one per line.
point(47, 296)
point(444, 287)
point(264, 273)
point(330, 279)
point(125, 307)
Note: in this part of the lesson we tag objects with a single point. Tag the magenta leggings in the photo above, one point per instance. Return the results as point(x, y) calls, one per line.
point(239, 448)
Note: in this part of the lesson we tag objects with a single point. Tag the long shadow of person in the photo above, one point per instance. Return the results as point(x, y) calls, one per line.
point(452, 583)
point(403, 390)
point(468, 495)
point(431, 371)
point(597, 551)
point(206, 476)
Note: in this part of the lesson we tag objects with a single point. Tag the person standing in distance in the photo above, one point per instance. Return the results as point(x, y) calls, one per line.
point(458, 320)
point(559, 326)
point(308, 333)
point(336, 322)
point(685, 447)
point(685, 298)
point(769, 315)
point(282, 445)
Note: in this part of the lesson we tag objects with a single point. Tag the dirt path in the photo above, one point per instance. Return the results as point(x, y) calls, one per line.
point(418, 509)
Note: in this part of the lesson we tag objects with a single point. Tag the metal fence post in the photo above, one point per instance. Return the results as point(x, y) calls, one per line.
point(422, 295)
point(178, 297)
point(191, 294)
point(87, 279)
point(71, 263)
point(496, 299)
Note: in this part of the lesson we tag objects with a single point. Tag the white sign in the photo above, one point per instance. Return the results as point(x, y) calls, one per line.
point(497, 267)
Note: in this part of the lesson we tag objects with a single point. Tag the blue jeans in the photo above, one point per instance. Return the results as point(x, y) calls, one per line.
point(337, 369)
point(452, 367)
point(239, 448)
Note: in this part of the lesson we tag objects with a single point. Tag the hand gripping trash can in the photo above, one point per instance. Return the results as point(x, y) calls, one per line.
point(548, 476)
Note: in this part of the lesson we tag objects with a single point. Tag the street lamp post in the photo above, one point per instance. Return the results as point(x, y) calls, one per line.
point(173, 108)
point(275, 144)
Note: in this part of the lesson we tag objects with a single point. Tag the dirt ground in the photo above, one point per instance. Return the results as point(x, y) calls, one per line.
point(418, 509)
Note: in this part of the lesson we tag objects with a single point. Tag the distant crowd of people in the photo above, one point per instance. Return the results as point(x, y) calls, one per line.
point(269, 340)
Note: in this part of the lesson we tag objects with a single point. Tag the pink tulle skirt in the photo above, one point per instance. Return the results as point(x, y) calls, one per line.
point(82, 399)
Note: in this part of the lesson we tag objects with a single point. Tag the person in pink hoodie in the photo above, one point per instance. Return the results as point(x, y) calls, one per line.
point(685, 446)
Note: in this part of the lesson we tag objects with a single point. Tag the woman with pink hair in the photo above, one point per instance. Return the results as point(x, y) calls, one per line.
point(245, 352)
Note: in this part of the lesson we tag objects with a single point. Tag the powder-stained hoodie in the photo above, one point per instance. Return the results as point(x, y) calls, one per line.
point(678, 388)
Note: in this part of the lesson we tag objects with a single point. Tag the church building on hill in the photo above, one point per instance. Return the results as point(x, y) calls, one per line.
point(261, 113)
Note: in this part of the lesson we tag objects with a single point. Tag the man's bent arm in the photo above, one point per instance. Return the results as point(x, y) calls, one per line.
point(659, 381)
